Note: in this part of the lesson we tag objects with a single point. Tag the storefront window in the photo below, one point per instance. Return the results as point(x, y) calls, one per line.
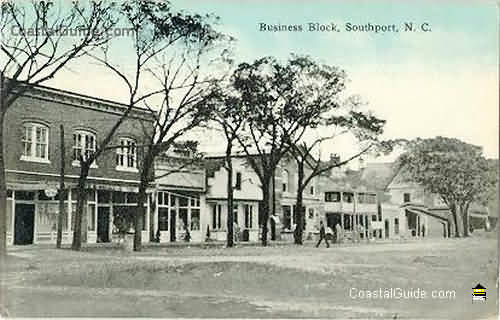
point(163, 219)
point(248, 216)
point(103, 196)
point(25, 195)
point(287, 217)
point(9, 215)
point(183, 219)
point(47, 217)
point(195, 219)
point(91, 217)
point(118, 197)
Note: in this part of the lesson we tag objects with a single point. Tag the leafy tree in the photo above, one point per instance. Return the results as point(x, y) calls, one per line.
point(456, 171)
point(34, 47)
point(363, 125)
point(281, 100)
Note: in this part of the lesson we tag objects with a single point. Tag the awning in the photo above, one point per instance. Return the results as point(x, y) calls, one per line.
point(419, 210)
point(31, 186)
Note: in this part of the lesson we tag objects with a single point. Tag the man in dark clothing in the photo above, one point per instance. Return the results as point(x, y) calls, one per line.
point(322, 235)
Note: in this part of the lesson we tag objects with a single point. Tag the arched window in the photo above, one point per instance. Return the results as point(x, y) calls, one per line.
point(126, 155)
point(84, 145)
point(285, 180)
point(35, 142)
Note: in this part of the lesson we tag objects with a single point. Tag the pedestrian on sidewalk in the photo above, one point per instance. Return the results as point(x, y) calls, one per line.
point(322, 235)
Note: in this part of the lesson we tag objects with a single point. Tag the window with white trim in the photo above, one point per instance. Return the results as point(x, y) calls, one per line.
point(84, 145)
point(285, 180)
point(126, 154)
point(35, 142)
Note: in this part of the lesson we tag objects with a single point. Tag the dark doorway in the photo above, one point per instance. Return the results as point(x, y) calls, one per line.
point(173, 214)
point(24, 223)
point(102, 224)
point(386, 225)
point(333, 219)
point(273, 229)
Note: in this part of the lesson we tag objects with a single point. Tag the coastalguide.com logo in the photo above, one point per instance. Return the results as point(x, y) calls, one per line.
point(401, 293)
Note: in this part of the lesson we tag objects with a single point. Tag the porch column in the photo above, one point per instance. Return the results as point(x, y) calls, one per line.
point(13, 217)
point(204, 216)
point(418, 225)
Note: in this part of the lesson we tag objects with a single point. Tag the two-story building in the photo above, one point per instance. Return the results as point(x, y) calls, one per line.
point(247, 194)
point(350, 204)
point(285, 199)
point(410, 211)
point(33, 162)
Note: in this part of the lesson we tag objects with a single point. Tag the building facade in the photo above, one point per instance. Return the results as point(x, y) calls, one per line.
point(33, 163)
point(247, 194)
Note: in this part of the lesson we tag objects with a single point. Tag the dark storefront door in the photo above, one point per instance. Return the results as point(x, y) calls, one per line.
point(24, 223)
point(333, 219)
point(173, 214)
point(103, 224)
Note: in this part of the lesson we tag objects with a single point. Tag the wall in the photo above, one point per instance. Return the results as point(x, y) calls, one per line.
point(250, 187)
point(53, 114)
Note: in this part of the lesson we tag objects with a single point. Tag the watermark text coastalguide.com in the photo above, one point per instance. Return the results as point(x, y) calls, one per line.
point(67, 32)
point(401, 293)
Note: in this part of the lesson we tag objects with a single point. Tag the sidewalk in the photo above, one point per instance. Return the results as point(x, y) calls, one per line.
point(211, 244)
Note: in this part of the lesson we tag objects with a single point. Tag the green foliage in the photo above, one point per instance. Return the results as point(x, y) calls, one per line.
point(455, 170)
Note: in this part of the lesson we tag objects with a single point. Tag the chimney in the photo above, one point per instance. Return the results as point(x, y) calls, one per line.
point(361, 163)
point(334, 158)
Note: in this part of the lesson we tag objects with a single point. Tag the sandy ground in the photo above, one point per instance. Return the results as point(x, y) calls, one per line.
point(256, 282)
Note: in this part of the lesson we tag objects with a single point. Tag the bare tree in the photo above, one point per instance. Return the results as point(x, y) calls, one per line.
point(337, 119)
point(35, 46)
point(229, 115)
point(170, 49)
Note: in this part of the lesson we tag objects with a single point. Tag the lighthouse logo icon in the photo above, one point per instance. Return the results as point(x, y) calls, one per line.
point(478, 293)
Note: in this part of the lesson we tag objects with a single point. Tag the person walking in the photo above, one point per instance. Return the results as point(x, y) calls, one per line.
point(322, 235)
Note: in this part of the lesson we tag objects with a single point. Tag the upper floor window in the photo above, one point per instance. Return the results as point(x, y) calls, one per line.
point(84, 145)
point(406, 197)
point(237, 185)
point(126, 154)
point(311, 190)
point(347, 197)
point(35, 142)
point(332, 196)
point(285, 180)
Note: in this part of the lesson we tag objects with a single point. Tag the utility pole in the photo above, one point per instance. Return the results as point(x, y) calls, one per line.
point(62, 191)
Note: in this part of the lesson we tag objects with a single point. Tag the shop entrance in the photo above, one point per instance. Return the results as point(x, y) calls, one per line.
point(24, 223)
point(102, 224)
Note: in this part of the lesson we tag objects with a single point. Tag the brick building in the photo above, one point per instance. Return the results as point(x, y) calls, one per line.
point(32, 159)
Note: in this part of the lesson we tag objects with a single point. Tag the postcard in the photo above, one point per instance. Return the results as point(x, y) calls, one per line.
point(249, 159)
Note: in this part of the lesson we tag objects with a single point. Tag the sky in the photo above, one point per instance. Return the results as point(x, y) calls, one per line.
point(441, 82)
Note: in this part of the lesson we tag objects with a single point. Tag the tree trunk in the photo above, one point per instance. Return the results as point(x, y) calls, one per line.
point(230, 218)
point(3, 190)
point(464, 211)
point(299, 224)
point(80, 205)
point(62, 191)
point(141, 198)
point(455, 220)
point(274, 192)
point(265, 209)
point(139, 215)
